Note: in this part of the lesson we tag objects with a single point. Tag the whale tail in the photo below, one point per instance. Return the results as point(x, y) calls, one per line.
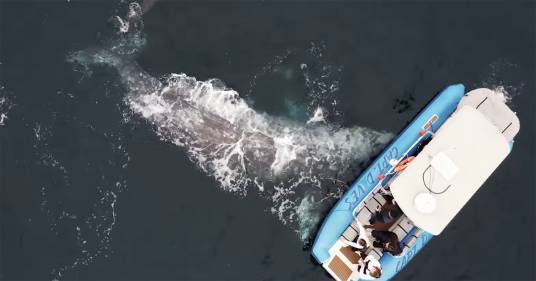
point(120, 52)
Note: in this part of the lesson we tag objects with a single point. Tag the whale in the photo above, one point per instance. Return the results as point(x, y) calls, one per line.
point(297, 165)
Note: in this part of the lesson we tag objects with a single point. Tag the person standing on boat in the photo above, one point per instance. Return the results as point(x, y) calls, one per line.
point(363, 241)
point(387, 241)
point(369, 268)
point(360, 244)
point(388, 213)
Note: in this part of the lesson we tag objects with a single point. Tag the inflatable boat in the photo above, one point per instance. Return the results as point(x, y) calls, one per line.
point(429, 171)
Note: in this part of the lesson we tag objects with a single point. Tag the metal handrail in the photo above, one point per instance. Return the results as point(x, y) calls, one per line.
point(390, 171)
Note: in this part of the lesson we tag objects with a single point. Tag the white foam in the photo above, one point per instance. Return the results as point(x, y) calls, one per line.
point(285, 153)
point(93, 228)
point(317, 117)
point(241, 147)
point(501, 94)
point(308, 215)
point(123, 24)
point(132, 18)
point(5, 105)
point(3, 117)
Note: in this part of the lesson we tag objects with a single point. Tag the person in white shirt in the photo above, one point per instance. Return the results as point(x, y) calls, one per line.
point(363, 240)
point(369, 268)
point(360, 245)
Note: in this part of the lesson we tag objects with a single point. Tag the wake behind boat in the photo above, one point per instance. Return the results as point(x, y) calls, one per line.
point(417, 185)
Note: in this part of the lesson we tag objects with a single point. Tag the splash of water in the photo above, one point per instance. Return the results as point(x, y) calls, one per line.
point(318, 116)
point(132, 19)
point(6, 104)
point(308, 214)
point(83, 212)
point(502, 79)
point(243, 149)
point(88, 215)
point(323, 84)
point(234, 143)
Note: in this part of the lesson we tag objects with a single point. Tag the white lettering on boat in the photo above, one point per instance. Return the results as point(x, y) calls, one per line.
point(371, 178)
point(412, 252)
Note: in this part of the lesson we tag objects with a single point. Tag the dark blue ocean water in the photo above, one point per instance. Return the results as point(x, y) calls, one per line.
point(89, 191)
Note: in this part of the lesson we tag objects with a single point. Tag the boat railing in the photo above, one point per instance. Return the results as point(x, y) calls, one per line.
point(391, 174)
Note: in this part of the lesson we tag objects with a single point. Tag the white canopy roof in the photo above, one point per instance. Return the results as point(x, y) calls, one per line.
point(492, 105)
point(463, 154)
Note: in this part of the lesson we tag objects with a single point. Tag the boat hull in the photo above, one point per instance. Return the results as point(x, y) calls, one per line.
point(339, 218)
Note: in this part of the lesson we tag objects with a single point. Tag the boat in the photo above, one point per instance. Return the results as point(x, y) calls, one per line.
point(430, 170)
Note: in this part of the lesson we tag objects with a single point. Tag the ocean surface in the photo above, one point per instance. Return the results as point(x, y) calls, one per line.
point(207, 140)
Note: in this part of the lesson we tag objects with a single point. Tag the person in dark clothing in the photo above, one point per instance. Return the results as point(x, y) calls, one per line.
point(388, 213)
point(387, 241)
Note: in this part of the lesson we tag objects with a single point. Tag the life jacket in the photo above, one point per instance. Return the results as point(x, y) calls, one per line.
point(403, 164)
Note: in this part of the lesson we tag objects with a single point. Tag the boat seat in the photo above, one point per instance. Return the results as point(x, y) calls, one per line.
point(401, 227)
point(408, 244)
point(410, 241)
point(379, 198)
point(417, 233)
point(376, 253)
point(372, 204)
point(399, 231)
point(406, 224)
point(364, 215)
point(350, 233)
point(355, 225)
